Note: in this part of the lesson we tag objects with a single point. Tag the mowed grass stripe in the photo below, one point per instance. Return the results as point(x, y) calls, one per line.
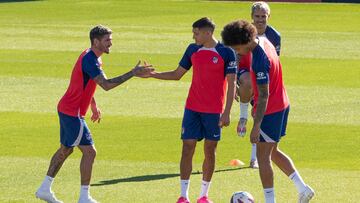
point(159, 40)
point(166, 99)
point(158, 140)
point(124, 181)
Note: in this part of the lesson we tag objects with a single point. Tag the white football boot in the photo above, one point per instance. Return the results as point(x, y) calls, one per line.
point(87, 199)
point(241, 127)
point(307, 195)
point(47, 196)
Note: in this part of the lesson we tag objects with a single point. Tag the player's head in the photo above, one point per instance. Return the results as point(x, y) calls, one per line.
point(203, 30)
point(238, 35)
point(260, 13)
point(100, 38)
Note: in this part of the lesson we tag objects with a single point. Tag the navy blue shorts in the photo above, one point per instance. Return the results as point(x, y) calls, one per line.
point(273, 126)
point(74, 131)
point(196, 125)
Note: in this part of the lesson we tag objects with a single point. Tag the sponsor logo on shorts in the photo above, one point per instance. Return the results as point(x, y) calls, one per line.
point(216, 135)
point(88, 136)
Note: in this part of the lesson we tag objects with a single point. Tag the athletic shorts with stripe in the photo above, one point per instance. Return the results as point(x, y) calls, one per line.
point(74, 131)
point(197, 125)
point(273, 126)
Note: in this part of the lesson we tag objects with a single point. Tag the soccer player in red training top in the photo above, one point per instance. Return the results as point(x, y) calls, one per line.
point(214, 67)
point(87, 73)
point(271, 106)
point(260, 13)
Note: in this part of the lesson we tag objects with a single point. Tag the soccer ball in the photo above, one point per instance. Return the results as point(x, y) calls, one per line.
point(242, 197)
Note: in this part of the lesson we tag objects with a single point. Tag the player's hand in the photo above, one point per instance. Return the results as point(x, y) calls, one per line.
point(255, 134)
point(143, 71)
point(96, 114)
point(224, 120)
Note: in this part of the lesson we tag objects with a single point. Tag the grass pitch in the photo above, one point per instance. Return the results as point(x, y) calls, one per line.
point(138, 139)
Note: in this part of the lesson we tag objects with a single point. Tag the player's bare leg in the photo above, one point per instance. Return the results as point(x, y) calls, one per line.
point(264, 151)
point(287, 166)
point(44, 192)
point(188, 150)
point(58, 159)
point(208, 169)
point(186, 158)
point(283, 161)
point(209, 161)
point(87, 160)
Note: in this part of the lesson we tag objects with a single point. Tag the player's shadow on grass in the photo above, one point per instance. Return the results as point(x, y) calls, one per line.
point(153, 177)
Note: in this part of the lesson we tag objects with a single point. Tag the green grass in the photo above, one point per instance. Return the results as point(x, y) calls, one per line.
point(138, 140)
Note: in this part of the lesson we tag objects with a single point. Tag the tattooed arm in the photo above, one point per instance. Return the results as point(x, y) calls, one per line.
point(108, 84)
point(260, 111)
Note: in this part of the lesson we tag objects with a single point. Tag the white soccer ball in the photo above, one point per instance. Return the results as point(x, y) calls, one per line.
point(242, 197)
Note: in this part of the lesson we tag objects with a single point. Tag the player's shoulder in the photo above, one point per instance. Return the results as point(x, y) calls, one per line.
point(259, 51)
point(90, 59)
point(272, 31)
point(193, 47)
point(88, 55)
point(222, 49)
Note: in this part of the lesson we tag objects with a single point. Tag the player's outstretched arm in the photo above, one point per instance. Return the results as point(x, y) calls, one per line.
point(260, 111)
point(230, 95)
point(176, 74)
point(108, 84)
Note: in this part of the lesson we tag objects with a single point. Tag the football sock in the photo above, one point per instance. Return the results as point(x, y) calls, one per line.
point(244, 110)
point(204, 188)
point(84, 191)
point(185, 188)
point(298, 181)
point(269, 195)
point(46, 184)
point(253, 152)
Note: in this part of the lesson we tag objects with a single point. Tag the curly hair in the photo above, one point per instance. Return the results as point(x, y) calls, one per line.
point(238, 32)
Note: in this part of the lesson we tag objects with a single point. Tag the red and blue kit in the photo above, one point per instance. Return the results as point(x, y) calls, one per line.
point(74, 104)
point(266, 69)
point(77, 98)
point(210, 67)
point(273, 36)
point(207, 92)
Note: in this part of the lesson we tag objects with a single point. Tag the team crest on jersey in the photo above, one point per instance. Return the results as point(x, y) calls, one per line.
point(215, 59)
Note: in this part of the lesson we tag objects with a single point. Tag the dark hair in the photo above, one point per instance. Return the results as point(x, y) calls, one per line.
point(204, 22)
point(98, 32)
point(238, 33)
